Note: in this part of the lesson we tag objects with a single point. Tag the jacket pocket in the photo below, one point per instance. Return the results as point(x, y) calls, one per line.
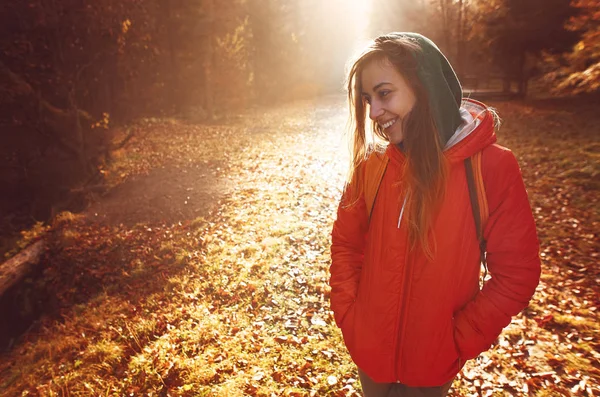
point(347, 326)
point(437, 360)
point(348, 313)
point(461, 362)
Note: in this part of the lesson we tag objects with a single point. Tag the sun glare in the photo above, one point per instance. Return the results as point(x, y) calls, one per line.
point(359, 12)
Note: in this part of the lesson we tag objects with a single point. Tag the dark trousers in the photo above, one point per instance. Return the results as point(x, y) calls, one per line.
point(372, 389)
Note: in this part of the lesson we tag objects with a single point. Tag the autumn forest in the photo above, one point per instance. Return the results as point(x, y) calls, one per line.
point(170, 174)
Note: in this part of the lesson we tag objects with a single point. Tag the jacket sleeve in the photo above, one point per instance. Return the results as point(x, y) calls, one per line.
point(347, 253)
point(512, 259)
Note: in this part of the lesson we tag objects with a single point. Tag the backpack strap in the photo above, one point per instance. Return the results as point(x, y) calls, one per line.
point(479, 204)
point(375, 167)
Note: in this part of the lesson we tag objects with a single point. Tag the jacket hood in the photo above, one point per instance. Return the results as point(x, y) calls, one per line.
point(475, 132)
point(442, 85)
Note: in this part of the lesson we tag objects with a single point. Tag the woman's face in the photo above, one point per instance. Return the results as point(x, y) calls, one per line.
point(389, 97)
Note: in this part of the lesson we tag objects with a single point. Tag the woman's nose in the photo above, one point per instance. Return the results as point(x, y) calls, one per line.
point(375, 110)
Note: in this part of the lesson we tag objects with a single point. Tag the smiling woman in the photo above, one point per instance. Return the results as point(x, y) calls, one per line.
point(408, 243)
point(389, 97)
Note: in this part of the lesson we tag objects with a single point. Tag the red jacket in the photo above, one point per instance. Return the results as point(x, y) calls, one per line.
point(406, 319)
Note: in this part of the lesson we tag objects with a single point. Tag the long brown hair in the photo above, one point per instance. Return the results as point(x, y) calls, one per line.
point(424, 177)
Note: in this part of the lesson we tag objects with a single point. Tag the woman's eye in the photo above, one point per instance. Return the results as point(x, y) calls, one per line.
point(383, 94)
point(367, 100)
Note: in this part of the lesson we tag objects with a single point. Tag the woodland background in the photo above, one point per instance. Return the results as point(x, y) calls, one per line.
point(180, 164)
point(73, 72)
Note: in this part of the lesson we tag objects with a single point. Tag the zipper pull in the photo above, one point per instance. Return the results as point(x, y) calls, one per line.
point(402, 210)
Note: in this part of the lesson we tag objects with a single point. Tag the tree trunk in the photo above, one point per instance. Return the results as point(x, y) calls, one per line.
point(460, 40)
point(173, 79)
point(523, 75)
point(445, 24)
point(523, 85)
point(209, 98)
point(506, 84)
point(60, 124)
point(19, 266)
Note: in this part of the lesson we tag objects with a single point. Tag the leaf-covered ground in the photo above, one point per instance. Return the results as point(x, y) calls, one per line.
point(204, 272)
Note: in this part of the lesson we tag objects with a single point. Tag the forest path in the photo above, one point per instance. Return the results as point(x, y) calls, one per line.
point(161, 182)
point(207, 273)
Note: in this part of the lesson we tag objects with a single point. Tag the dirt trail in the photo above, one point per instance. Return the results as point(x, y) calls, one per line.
point(167, 195)
point(183, 192)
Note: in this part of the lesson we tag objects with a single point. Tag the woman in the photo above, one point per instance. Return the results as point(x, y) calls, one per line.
point(405, 273)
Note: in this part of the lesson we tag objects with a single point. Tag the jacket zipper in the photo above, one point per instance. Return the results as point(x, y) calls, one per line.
point(402, 301)
point(402, 210)
point(456, 347)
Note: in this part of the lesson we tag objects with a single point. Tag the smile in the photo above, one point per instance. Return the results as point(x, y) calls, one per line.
point(389, 123)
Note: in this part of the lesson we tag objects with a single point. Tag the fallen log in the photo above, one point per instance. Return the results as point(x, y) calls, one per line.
point(14, 269)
